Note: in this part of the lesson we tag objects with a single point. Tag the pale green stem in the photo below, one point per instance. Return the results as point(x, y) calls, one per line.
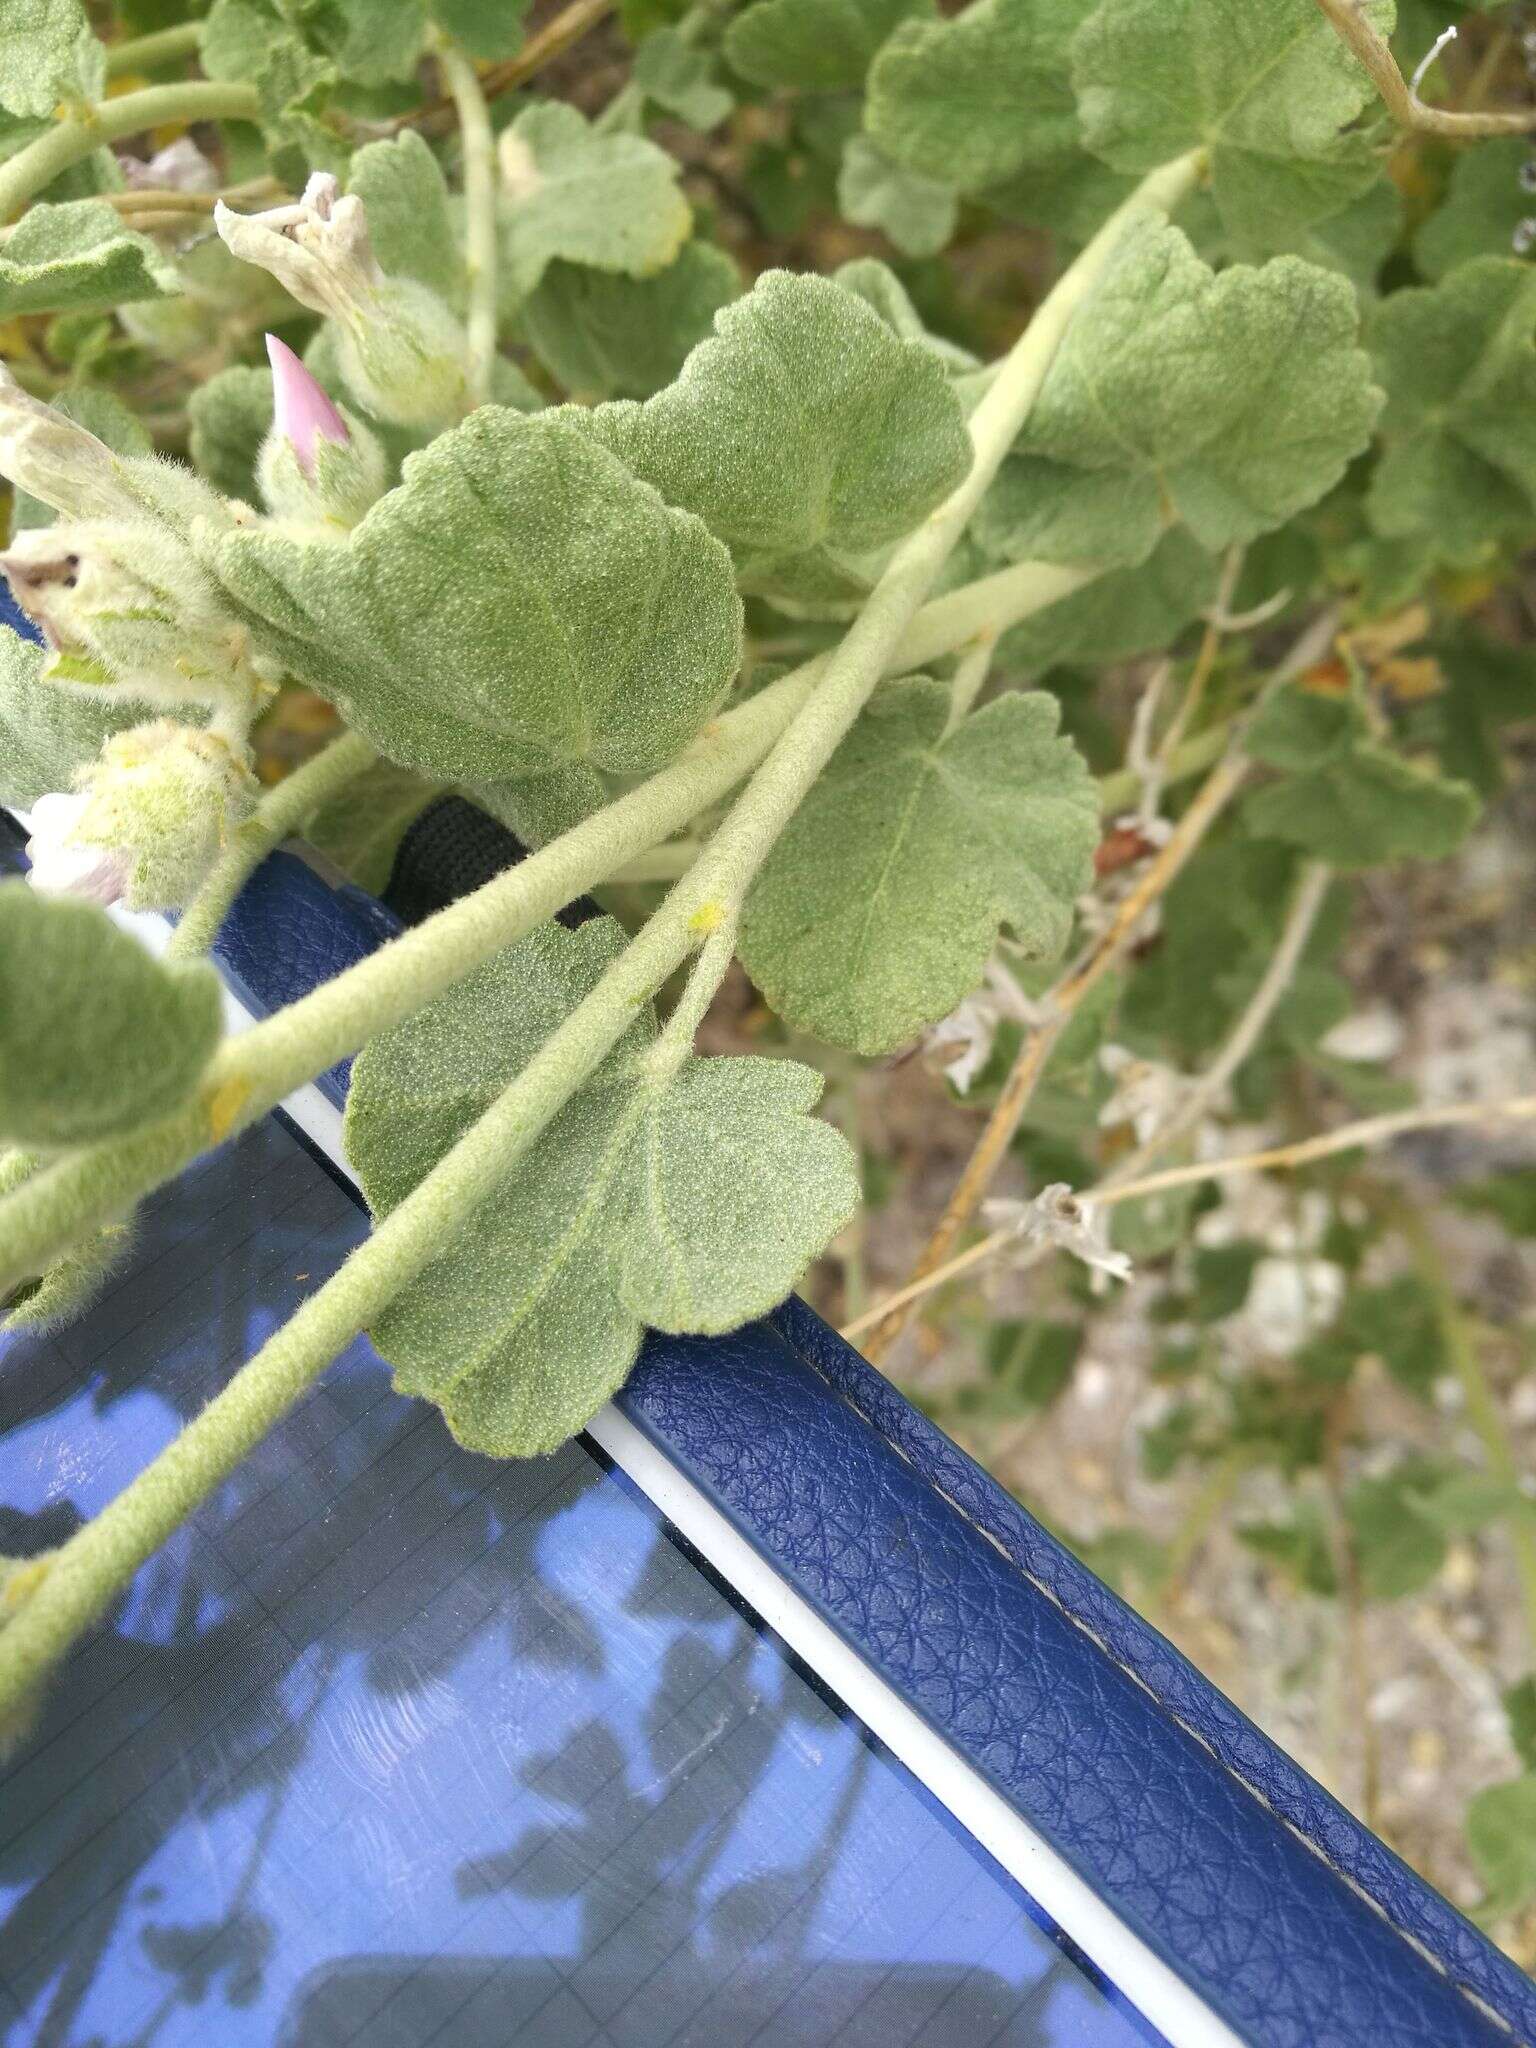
point(253, 1072)
point(164, 46)
point(281, 812)
point(479, 144)
point(71, 140)
point(85, 1573)
point(1483, 1410)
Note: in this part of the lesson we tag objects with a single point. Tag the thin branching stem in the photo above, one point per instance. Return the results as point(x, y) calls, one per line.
point(479, 146)
point(1402, 102)
point(72, 140)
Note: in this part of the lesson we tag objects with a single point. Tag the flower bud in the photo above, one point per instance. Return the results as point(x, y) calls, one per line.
point(318, 464)
point(161, 801)
point(401, 351)
point(125, 606)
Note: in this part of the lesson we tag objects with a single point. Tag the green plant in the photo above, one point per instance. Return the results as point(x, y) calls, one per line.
point(769, 609)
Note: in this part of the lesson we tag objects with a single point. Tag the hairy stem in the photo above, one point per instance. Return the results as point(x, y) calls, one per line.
point(163, 46)
point(542, 47)
point(463, 83)
point(282, 811)
point(1402, 102)
point(71, 140)
point(252, 1073)
point(83, 1576)
point(1483, 1410)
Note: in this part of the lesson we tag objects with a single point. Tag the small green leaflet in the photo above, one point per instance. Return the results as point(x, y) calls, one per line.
point(1229, 400)
point(96, 1036)
point(231, 415)
point(813, 45)
point(1481, 210)
point(878, 907)
point(681, 80)
point(48, 55)
point(77, 257)
point(803, 434)
point(1501, 1840)
point(980, 99)
point(517, 601)
point(917, 213)
point(611, 201)
point(604, 335)
point(1458, 463)
point(685, 1195)
point(409, 222)
point(46, 730)
point(1268, 89)
point(1348, 797)
point(488, 29)
point(1119, 615)
point(1398, 1548)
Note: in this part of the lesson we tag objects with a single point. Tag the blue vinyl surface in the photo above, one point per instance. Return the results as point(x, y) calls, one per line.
point(395, 1745)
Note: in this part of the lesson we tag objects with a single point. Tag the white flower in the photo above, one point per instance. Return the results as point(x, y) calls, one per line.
point(399, 347)
point(179, 167)
point(1147, 1094)
point(962, 1043)
point(63, 865)
point(1067, 1221)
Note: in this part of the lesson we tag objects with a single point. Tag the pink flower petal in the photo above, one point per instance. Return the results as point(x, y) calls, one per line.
point(301, 411)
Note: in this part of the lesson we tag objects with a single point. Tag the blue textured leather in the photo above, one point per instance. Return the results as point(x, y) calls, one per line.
point(1291, 1919)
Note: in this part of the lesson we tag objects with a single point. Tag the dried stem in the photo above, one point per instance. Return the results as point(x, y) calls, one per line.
point(543, 47)
point(1402, 102)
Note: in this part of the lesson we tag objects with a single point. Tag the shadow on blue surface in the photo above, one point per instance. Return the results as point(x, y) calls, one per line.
point(400, 1746)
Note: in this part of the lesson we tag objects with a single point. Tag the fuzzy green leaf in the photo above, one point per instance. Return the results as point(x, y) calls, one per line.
point(681, 80)
point(1398, 1549)
point(517, 601)
point(878, 908)
point(47, 731)
point(1119, 616)
point(361, 827)
point(884, 293)
point(1267, 90)
point(1347, 797)
point(488, 29)
point(803, 433)
point(371, 42)
point(813, 45)
point(1229, 401)
point(980, 99)
point(609, 336)
point(231, 415)
point(96, 1036)
point(687, 1197)
point(917, 213)
point(409, 222)
point(1458, 361)
point(1501, 1840)
point(610, 201)
point(78, 257)
point(48, 54)
point(1482, 208)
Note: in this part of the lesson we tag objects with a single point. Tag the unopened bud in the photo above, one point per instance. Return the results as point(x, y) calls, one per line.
point(318, 464)
point(163, 799)
point(125, 606)
point(400, 349)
